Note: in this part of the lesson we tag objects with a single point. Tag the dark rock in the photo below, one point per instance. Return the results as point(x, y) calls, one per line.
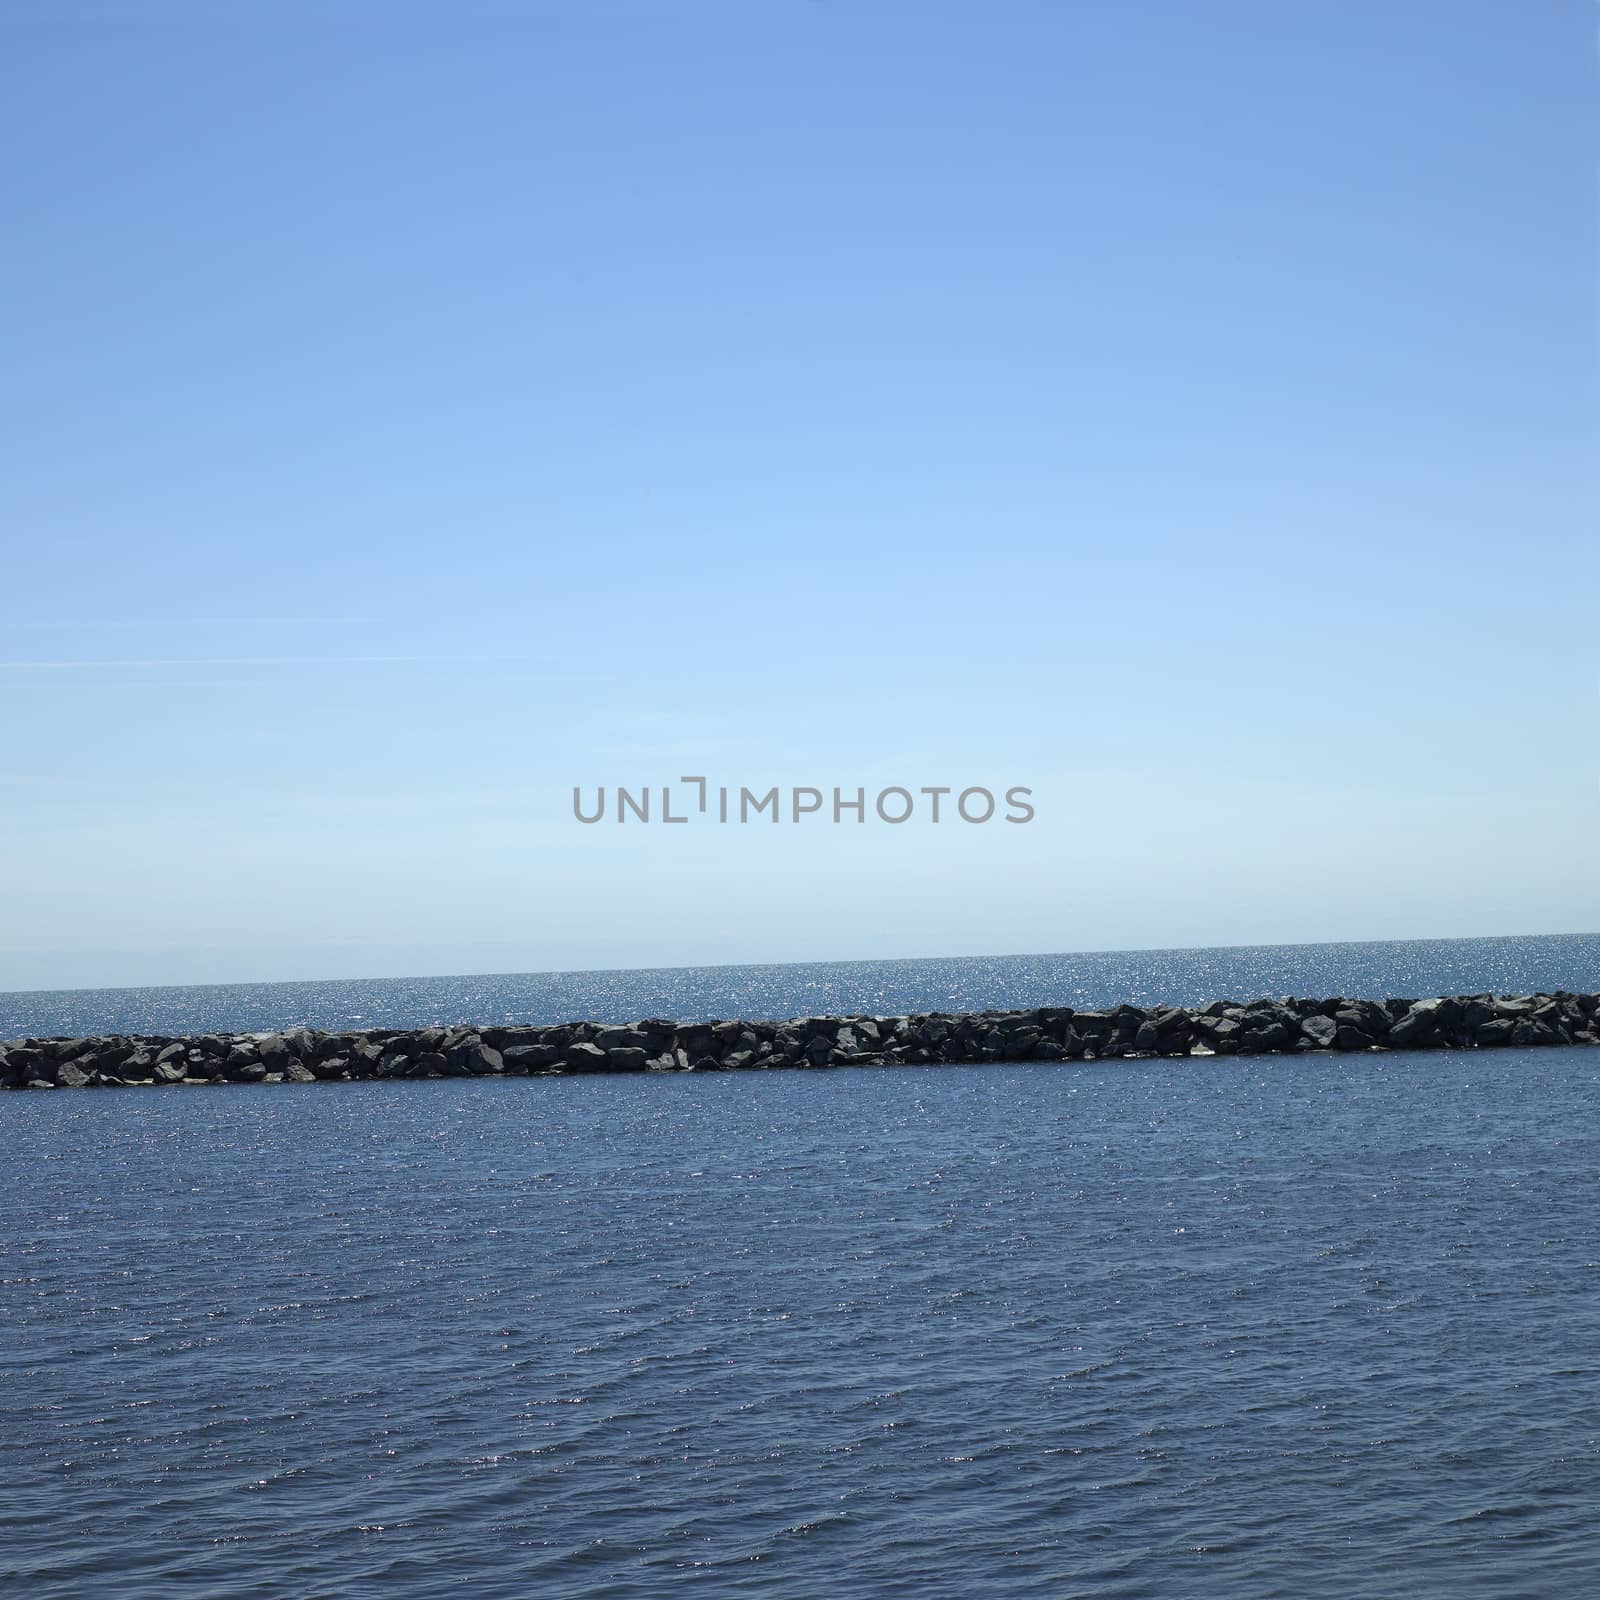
point(586, 1058)
point(1416, 1029)
point(1022, 1043)
point(476, 1059)
point(1046, 1034)
point(1320, 1030)
point(531, 1056)
point(1363, 1016)
point(621, 1039)
point(1275, 1035)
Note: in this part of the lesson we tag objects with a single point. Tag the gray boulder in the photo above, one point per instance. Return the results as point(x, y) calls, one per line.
point(621, 1039)
point(1321, 1031)
point(530, 1057)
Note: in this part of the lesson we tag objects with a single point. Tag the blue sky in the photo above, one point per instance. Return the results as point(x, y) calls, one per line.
point(416, 410)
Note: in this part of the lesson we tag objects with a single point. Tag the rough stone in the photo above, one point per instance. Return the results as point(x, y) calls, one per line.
point(1320, 1030)
point(1286, 1025)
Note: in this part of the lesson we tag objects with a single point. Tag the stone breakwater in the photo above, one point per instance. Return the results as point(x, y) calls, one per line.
point(1046, 1033)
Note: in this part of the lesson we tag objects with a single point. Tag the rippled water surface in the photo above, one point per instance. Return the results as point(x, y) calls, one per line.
point(1413, 968)
point(1233, 1328)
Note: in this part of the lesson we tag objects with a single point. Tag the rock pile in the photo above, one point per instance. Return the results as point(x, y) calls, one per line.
point(1046, 1033)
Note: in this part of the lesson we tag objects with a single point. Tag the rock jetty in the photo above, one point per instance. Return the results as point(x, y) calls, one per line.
point(1044, 1033)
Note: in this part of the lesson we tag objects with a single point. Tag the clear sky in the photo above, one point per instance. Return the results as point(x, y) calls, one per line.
point(411, 411)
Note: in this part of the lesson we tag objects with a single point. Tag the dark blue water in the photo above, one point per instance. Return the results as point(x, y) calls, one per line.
point(1232, 1328)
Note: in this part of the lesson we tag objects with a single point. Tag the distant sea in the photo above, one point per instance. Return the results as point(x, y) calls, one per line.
point(1222, 1329)
point(1413, 969)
